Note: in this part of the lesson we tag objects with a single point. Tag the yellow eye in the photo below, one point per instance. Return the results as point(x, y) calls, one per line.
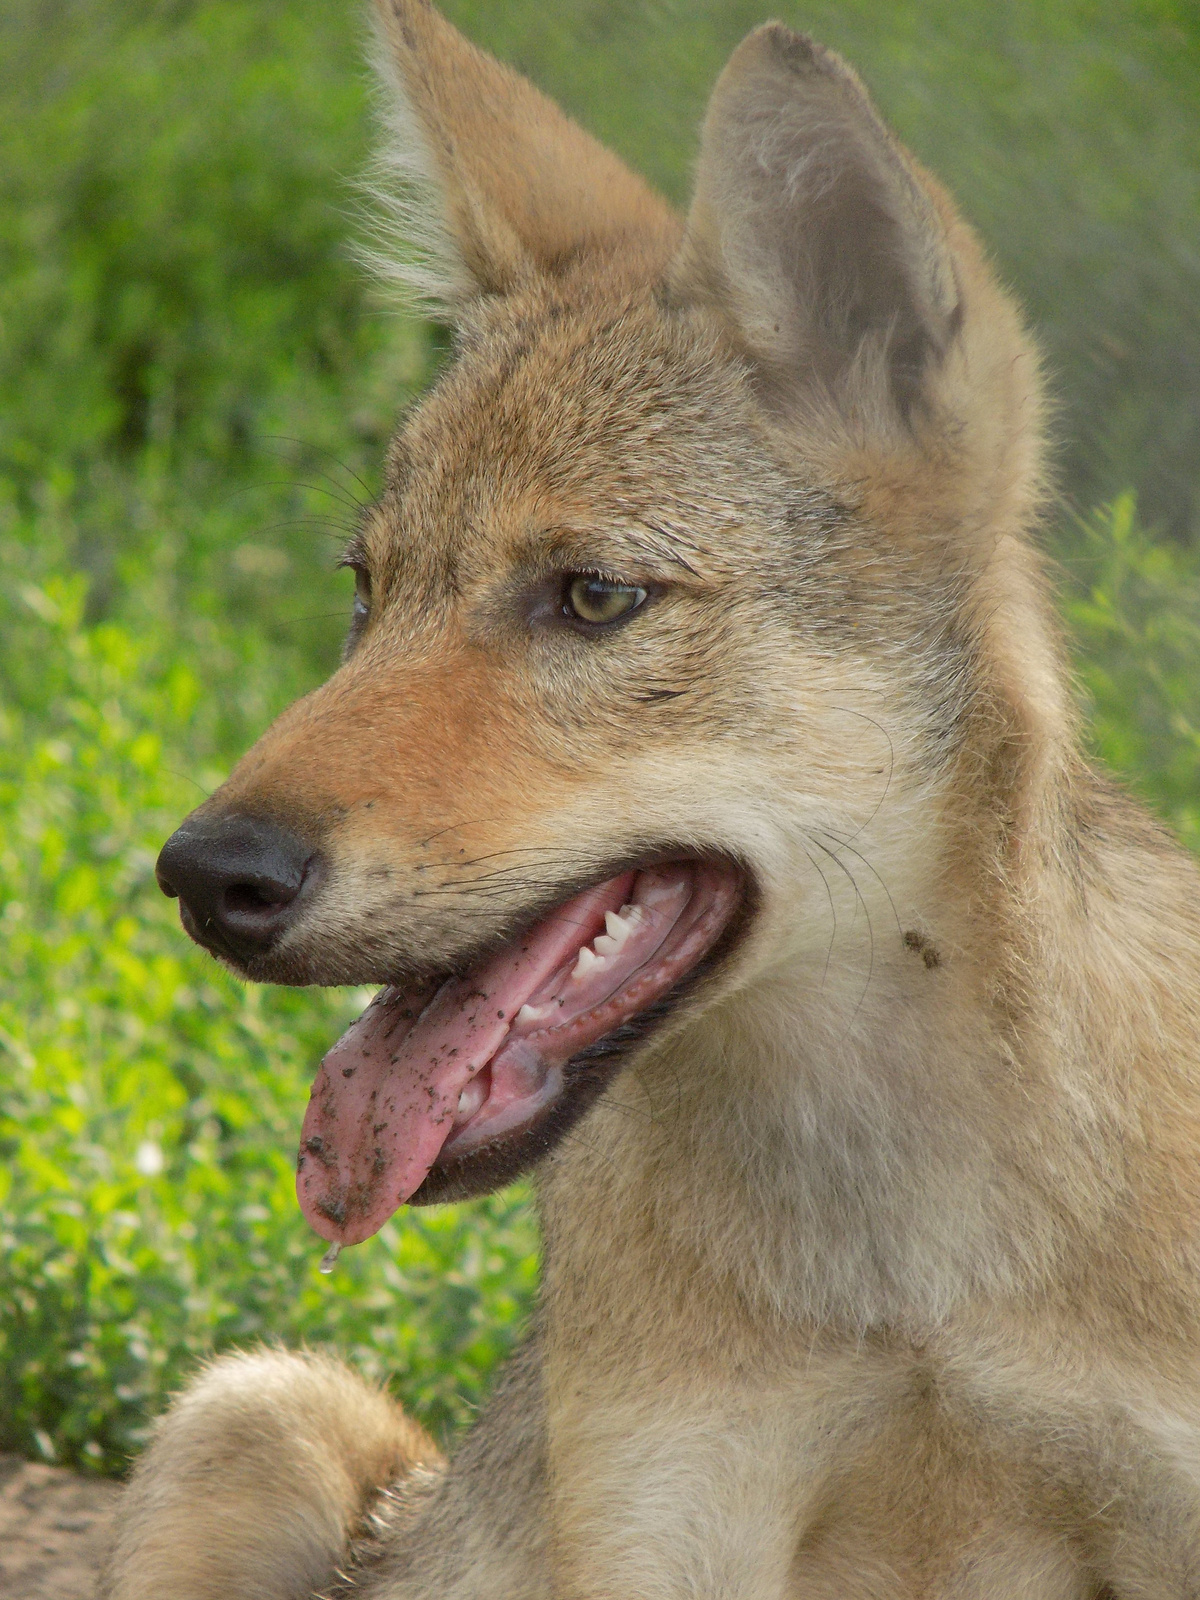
point(600, 600)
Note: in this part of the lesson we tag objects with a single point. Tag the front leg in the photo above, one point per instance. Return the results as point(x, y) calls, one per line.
point(479, 1530)
point(276, 1473)
point(256, 1479)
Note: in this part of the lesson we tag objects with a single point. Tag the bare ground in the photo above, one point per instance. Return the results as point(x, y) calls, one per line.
point(53, 1531)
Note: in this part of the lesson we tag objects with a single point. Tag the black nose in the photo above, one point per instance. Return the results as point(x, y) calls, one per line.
point(240, 881)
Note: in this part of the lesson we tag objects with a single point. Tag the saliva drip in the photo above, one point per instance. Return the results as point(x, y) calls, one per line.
point(329, 1259)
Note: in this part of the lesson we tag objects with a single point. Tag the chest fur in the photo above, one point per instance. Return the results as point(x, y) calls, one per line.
point(842, 1486)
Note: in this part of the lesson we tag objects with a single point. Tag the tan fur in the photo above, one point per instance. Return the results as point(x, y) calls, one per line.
point(282, 1452)
point(875, 1274)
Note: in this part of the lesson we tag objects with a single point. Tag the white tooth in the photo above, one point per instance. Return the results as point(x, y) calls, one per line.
point(529, 1013)
point(586, 960)
point(470, 1100)
point(620, 924)
point(606, 945)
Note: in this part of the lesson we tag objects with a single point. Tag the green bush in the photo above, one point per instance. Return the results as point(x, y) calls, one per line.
point(195, 384)
point(150, 1104)
point(1133, 608)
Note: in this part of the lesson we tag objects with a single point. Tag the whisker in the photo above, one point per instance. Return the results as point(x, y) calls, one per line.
point(841, 865)
point(327, 525)
point(308, 444)
point(844, 844)
point(187, 778)
point(475, 822)
point(832, 912)
point(347, 500)
point(851, 712)
point(319, 616)
point(589, 1144)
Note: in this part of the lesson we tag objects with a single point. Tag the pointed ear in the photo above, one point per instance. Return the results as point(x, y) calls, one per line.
point(814, 237)
point(505, 183)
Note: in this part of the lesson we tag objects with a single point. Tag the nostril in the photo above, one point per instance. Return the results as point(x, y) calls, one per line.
point(242, 900)
point(254, 900)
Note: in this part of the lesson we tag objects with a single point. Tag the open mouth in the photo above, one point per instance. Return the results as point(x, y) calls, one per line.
point(434, 1080)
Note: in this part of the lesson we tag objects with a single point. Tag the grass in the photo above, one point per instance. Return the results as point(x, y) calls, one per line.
point(195, 392)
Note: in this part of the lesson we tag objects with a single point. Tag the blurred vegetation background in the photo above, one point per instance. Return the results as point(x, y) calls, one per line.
point(196, 386)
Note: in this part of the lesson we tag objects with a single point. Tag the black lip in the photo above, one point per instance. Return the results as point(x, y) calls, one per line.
point(587, 1075)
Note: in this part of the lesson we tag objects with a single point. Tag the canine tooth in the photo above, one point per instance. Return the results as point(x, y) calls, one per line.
point(530, 1013)
point(620, 924)
point(585, 961)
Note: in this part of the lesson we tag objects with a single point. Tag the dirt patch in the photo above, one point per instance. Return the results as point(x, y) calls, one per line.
point(54, 1528)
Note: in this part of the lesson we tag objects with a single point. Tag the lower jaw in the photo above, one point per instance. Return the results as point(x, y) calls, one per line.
point(473, 1170)
point(468, 1139)
point(481, 1169)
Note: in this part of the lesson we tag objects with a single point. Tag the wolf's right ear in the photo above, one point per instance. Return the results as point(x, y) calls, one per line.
point(814, 238)
point(496, 181)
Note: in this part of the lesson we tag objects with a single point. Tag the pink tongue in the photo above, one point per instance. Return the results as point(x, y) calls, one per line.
point(386, 1096)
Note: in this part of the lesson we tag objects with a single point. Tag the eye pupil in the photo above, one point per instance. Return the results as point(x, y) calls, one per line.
point(599, 600)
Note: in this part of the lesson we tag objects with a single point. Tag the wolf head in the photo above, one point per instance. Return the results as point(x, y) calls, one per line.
point(697, 644)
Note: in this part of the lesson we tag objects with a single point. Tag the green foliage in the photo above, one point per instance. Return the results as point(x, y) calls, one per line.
point(1133, 605)
point(196, 387)
point(151, 1105)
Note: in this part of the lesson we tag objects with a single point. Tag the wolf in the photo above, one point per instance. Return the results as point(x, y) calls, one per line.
point(702, 785)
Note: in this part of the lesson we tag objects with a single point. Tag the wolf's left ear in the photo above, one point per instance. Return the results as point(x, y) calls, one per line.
point(500, 181)
point(813, 236)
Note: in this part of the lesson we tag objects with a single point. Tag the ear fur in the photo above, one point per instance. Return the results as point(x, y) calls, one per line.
point(813, 235)
point(500, 183)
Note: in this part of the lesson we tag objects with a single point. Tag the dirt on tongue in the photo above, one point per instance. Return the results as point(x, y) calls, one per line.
point(386, 1097)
